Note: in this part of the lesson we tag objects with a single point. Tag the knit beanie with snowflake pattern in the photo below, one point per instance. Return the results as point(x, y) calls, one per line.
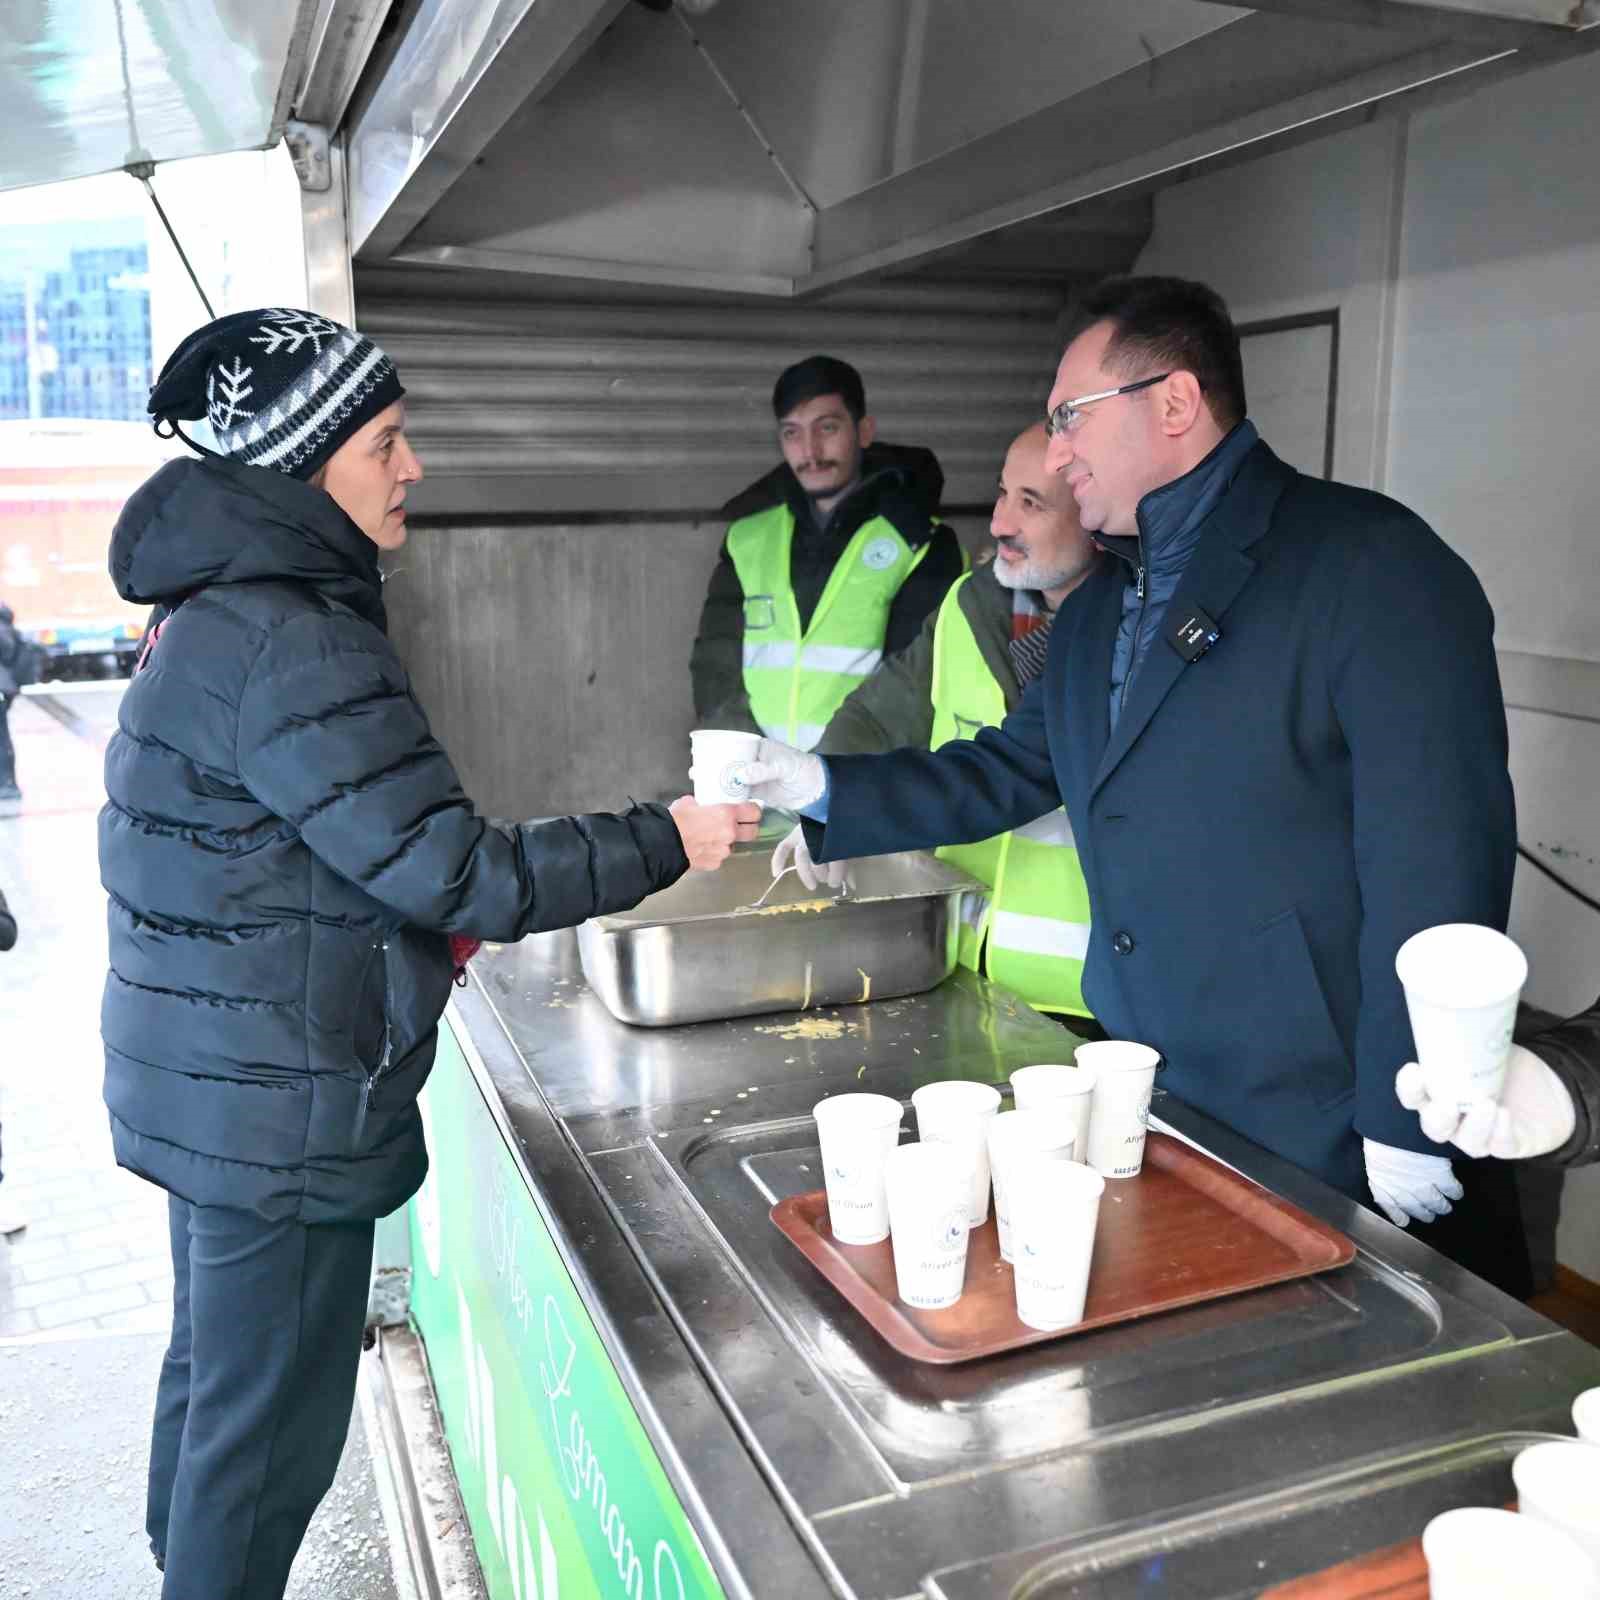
point(281, 388)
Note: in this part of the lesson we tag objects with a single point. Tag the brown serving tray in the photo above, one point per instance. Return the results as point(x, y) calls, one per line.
point(1187, 1229)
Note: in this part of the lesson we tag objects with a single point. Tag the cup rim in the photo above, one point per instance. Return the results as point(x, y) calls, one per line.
point(1545, 1458)
point(1113, 1064)
point(945, 1088)
point(1037, 1165)
point(1497, 950)
point(1503, 1525)
point(857, 1095)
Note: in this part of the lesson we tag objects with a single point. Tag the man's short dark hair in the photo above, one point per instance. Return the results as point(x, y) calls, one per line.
point(1167, 324)
point(814, 377)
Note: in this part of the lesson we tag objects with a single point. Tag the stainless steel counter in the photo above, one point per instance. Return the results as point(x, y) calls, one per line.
point(1209, 1451)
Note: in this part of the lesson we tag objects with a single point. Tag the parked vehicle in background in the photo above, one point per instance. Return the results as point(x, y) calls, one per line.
point(62, 483)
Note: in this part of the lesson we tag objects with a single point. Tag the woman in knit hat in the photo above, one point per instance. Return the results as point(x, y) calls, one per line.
point(289, 857)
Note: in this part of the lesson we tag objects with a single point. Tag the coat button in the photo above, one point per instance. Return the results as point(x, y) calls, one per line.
point(1122, 943)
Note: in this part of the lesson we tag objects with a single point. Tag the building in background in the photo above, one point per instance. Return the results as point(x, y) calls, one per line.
point(75, 320)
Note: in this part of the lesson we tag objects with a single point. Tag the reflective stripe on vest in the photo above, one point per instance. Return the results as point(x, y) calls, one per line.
point(797, 679)
point(1036, 931)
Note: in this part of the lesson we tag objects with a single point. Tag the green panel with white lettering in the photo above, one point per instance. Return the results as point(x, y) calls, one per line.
point(565, 1495)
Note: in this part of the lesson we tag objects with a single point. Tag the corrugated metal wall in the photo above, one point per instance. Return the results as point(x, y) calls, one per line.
point(578, 440)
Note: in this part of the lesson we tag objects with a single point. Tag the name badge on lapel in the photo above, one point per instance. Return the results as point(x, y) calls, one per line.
point(1190, 631)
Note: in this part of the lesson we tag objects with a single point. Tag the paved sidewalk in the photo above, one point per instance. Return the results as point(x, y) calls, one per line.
point(86, 1288)
point(94, 1254)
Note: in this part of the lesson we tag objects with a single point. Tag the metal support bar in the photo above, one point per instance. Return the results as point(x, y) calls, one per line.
point(1509, 23)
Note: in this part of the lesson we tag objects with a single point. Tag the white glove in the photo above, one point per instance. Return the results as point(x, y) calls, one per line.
point(1407, 1184)
point(792, 851)
point(1535, 1113)
point(780, 775)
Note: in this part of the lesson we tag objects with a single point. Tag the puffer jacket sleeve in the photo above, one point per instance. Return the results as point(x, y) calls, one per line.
point(332, 740)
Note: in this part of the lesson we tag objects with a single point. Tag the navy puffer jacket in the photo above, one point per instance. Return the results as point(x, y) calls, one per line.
point(285, 847)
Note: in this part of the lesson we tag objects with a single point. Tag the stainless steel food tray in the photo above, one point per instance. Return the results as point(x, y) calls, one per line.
point(697, 951)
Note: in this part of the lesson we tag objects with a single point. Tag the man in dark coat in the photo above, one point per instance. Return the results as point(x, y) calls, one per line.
point(1276, 724)
point(289, 856)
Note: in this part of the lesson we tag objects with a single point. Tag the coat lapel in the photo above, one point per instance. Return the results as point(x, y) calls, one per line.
point(1219, 568)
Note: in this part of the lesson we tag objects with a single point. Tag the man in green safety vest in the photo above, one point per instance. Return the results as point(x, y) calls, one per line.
point(831, 562)
point(965, 671)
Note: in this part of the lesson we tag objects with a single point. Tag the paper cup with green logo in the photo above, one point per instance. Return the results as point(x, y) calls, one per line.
point(1055, 1209)
point(959, 1111)
point(1047, 1130)
point(928, 1186)
point(1125, 1075)
point(1040, 1085)
point(718, 759)
point(1462, 983)
point(857, 1132)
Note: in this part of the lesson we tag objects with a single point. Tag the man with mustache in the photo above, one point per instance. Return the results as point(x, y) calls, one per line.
point(830, 563)
point(966, 670)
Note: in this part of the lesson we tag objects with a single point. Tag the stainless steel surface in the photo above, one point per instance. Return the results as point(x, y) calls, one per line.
point(1205, 1432)
point(342, 37)
point(703, 950)
point(539, 399)
point(323, 220)
point(1224, 1550)
point(464, 67)
point(90, 88)
point(660, 151)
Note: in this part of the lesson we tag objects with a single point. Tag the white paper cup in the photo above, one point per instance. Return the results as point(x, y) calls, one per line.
point(1477, 1553)
point(1462, 983)
point(1055, 1207)
point(1048, 1130)
point(1125, 1075)
point(928, 1186)
point(1558, 1482)
point(857, 1132)
point(959, 1112)
point(1586, 1416)
point(717, 761)
point(1038, 1086)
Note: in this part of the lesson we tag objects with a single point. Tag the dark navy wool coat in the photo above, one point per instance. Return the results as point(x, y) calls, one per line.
point(1270, 821)
point(285, 847)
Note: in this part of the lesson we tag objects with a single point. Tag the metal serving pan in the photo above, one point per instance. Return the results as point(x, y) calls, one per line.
point(698, 951)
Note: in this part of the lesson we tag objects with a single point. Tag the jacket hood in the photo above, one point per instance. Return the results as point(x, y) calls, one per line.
point(905, 473)
point(197, 523)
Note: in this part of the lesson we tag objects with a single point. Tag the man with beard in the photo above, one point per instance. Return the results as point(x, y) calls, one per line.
point(967, 670)
point(831, 562)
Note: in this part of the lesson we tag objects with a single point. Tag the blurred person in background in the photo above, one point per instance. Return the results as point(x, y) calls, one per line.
point(295, 877)
point(11, 661)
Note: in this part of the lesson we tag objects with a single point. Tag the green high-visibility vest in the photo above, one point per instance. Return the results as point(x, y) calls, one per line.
point(1032, 932)
point(797, 678)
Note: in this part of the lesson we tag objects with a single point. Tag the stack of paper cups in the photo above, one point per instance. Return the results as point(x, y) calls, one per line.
point(1072, 1086)
point(928, 1186)
point(1049, 1130)
point(958, 1112)
point(857, 1132)
point(1055, 1207)
point(1462, 983)
point(1125, 1075)
point(718, 758)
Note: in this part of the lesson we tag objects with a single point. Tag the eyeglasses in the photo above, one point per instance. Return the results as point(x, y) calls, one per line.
point(1068, 416)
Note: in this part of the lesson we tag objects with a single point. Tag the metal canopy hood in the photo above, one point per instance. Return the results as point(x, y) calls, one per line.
point(90, 86)
point(760, 146)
